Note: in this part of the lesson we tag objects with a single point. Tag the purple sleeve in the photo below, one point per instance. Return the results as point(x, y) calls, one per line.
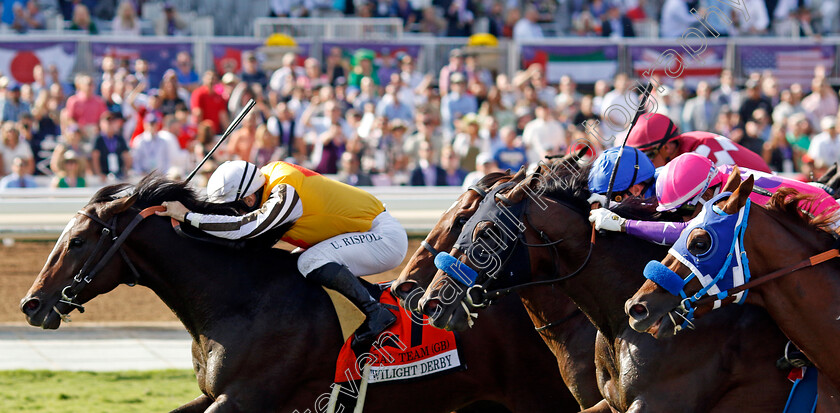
point(657, 232)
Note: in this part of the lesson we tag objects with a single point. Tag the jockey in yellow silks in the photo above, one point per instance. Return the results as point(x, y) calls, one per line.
point(346, 231)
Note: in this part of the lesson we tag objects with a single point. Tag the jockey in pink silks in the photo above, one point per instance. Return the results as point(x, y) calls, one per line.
point(691, 179)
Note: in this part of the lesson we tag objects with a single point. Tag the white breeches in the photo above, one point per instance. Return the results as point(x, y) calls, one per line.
point(380, 249)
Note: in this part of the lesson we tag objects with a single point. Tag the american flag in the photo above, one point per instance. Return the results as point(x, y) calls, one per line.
point(705, 67)
point(788, 66)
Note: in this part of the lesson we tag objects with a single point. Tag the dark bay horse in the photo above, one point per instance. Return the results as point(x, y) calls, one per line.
point(803, 303)
point(719, 370)
point(264, 338)
point(569, 335)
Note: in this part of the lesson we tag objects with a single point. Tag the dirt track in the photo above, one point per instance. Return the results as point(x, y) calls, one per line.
point(22, 262)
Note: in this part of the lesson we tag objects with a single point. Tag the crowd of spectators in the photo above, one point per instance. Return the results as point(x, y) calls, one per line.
point(117, 17)
point(503, 18)
point(372, 125)
point(543, 18)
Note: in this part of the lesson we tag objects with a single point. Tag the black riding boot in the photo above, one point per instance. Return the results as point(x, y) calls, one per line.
point(339, 278)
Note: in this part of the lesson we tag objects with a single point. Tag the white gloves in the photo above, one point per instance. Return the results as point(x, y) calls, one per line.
point(601, 199)
point(606, 219)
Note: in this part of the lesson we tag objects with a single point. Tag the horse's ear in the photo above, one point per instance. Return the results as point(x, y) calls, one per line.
point(518, 192)
point(519, 175)
point(739, 196)
point(120, 205)
point(582, 152)
point(834, 182)
point(734, 180)
point(828, 174)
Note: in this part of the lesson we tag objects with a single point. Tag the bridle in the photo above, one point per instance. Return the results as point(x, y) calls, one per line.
point(86, 274)
point(689, 304)
point(479, 295)
point(484, 296)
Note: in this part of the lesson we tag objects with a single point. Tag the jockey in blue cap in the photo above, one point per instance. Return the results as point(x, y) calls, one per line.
point(635, 176)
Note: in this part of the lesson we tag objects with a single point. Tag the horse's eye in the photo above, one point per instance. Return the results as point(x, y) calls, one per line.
point(699, 242)
point(459, 222)
point(76, 242)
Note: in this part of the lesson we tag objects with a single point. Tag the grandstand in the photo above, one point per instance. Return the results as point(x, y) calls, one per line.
point(428, 93)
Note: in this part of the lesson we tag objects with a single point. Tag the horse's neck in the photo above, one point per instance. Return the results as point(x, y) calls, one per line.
point(612, 276)
point(193, 291)
point(202, 287)
point(802, 303)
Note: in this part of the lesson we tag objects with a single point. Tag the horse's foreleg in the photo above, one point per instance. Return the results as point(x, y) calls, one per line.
point(601, 407)
point(199, 405)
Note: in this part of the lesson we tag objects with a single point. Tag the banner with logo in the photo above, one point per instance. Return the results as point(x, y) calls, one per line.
point(17, 59)
point(585, 64)
point(161, 56)
point(407, 350)
point(704, 62)
point(227, 57)
point(789, 64)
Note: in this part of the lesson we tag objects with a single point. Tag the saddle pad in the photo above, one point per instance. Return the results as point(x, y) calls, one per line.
point(407, 350)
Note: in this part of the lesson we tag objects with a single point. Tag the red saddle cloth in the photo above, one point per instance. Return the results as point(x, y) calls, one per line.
point(409, 349)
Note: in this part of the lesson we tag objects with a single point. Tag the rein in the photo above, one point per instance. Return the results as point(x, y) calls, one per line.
point(85, 277)
point(573, 314)
point(686, 310)
point(806, 263)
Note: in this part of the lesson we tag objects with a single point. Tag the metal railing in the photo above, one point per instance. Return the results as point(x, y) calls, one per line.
point(43, 213)
point(356, 28)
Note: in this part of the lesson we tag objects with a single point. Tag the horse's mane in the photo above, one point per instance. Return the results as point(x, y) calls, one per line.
point(487, 181)
point(154, 189)
point(571, 186)
point(788, 201)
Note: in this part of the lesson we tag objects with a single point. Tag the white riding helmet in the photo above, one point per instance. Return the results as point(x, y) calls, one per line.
point(234, 180)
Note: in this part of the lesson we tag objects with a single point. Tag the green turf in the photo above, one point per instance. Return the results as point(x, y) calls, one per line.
point(87, 392)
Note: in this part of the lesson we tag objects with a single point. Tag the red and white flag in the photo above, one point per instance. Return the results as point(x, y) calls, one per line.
point(18, 61)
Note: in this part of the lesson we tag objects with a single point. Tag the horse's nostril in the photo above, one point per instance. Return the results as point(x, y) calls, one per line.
point(31, 305)
point(638, 312)
point(431, 307)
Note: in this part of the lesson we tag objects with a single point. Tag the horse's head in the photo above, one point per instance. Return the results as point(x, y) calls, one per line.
point(417, 275)
point(492, 255)
point(75, 270)
point(708, 258)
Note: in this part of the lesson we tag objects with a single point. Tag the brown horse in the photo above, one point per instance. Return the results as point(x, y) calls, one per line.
point(569, 335)
point(264, 338)
point(719, 370)
point(803, 303)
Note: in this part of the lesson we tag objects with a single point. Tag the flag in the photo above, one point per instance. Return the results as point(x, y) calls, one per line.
point(227, 57)
point(584, 64)
point(18, 60)
point(789, 64)
point(706, 66)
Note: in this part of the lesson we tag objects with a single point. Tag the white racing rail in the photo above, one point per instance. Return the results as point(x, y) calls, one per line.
point(43, 213)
